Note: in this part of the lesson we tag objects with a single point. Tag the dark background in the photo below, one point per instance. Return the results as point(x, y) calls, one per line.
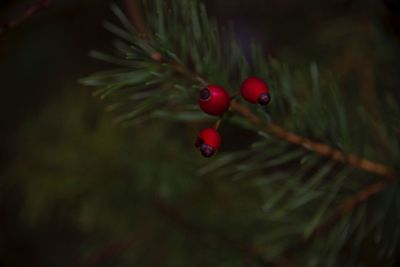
point(66, 170)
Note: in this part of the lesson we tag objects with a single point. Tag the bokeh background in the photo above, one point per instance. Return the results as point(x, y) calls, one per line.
point(76, 189)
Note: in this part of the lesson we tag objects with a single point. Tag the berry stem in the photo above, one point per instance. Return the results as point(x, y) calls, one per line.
point(234, 96)
point(218, 123)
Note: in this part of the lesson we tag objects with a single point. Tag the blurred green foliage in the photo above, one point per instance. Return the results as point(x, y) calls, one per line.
point(72, 183)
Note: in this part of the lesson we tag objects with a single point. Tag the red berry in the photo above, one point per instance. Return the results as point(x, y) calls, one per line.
point(208, 142)
point(255, 91)
point(214, 100)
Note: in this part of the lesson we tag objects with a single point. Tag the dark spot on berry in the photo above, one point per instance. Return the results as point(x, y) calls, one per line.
point(205, 94)
point(264, 99)
point(198, 142)
point(207, 150)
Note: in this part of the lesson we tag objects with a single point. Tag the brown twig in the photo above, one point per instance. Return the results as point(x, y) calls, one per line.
point(320, 148)
point(33, 9)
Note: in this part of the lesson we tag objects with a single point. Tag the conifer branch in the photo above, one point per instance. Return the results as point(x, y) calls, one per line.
point(271, 128)
point(388, 173)
point(33, 9)
point(283, 134)
point(322, 149)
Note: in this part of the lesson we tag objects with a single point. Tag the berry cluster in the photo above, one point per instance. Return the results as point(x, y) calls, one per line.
point(214, 100)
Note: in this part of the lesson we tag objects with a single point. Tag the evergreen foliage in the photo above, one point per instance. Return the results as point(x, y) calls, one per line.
point(292, 205)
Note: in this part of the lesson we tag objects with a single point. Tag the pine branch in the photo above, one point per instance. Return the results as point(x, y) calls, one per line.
point(320, 148)
point(281, 133)
point(32, 10)
point(201, 51)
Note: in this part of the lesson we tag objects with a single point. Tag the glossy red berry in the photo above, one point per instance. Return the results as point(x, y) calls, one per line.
point(214, 100)
point(208, 142)
point(255, 91)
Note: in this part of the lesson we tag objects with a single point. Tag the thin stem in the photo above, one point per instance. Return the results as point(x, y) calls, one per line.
point(33, 9)
point(217, 124)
